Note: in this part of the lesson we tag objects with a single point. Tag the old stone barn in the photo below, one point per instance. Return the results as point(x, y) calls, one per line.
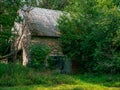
point(43, 27)
point(39, 26)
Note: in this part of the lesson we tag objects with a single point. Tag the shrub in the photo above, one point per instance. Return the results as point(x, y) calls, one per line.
point(38, 55)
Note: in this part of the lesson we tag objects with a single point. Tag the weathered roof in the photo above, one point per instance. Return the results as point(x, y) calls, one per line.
point(43, 22)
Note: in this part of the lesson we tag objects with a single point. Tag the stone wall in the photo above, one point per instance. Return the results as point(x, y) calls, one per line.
point(52, 42)
point(62, 65)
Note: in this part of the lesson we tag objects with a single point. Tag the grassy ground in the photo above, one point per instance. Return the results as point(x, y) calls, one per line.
point(20, 78)
point(59, 87)
point(80, 82)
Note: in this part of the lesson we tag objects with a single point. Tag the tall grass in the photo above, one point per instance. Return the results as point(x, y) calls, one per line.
point(13, 75)
point(17, 76)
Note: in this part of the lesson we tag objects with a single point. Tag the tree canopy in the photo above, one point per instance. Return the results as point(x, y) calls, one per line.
point(8, 14)
point(92, 34)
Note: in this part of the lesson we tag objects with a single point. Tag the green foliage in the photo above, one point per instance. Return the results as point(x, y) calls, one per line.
point(14, 75)
point(48, 4)
point(38, 55)
point(20, 76)
point(54, 4)
point(8, 13)
point(91, 34)
point(11, 75)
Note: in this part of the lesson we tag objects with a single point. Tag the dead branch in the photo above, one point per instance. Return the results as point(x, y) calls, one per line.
point(23, 29)
point(6, 56)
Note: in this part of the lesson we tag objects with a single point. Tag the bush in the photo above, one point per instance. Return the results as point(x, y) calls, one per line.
point(92, 35)
point(39, 54)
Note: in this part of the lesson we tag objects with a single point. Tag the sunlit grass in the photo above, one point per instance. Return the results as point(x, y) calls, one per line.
point(83, 86)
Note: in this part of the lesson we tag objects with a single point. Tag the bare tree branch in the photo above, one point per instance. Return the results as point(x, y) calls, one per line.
point(6, 56)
